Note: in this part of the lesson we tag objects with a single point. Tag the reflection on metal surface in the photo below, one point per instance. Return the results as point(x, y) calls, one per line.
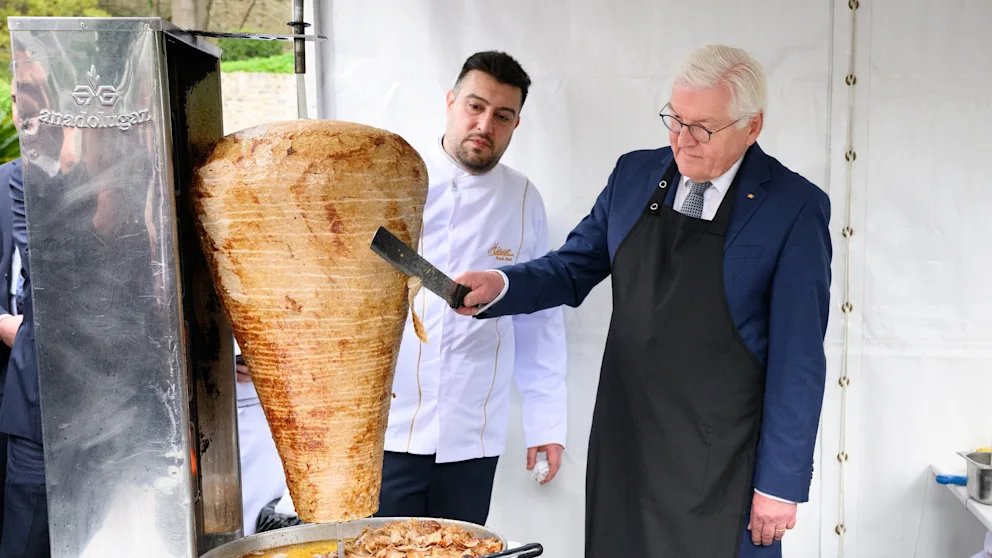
point(129, 367)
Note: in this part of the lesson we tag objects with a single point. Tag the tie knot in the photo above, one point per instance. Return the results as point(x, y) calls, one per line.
point(698, 188)
point(693, 204)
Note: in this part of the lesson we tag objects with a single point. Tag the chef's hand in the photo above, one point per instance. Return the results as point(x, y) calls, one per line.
point(770, 519)
point(485, 286)
point(243, 375)
point(8, 328)
point(553, 451)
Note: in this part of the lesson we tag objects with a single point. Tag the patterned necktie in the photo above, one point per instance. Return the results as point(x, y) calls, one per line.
point(693, 204)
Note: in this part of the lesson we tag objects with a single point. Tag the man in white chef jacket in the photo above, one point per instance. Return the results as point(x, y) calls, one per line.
point(450, 411)
point(262, 476)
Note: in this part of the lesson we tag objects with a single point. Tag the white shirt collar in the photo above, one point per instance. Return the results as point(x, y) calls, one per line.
point(722, 182)
point(456, 169)
point(446, 169)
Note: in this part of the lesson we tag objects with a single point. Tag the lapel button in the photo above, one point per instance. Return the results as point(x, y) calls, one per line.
point(750, 196)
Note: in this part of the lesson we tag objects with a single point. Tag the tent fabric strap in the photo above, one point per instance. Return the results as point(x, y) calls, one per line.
point(847, 308)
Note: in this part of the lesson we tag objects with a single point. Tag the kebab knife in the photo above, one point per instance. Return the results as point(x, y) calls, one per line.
point(407, 260)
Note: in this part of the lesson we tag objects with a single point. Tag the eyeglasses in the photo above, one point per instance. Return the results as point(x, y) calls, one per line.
point(698, 133)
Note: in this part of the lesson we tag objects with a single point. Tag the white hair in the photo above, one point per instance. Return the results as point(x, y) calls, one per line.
point(713, 65)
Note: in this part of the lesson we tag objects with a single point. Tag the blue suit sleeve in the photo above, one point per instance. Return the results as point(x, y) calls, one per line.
point(566, 275)
point(6, 238)
point(796, 369)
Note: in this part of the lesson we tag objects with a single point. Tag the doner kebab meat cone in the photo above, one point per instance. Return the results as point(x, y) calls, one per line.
point(287, 211)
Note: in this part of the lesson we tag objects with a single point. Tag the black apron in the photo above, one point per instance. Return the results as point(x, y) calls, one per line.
point(675, 428)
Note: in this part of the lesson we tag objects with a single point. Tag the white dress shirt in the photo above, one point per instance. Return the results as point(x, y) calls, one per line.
point(452, 393)
point(713, 195)
point(15, 280)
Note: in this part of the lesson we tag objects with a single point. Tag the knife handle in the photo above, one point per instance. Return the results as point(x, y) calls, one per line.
point(458, 297)
point(526, 551)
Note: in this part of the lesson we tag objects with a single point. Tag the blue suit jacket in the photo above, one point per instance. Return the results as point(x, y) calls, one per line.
point(20, 413)
point(777, 280)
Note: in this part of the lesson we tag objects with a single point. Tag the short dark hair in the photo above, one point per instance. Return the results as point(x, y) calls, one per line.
point(500, 66)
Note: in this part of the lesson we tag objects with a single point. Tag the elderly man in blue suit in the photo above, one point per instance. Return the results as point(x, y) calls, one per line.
point(713, 373)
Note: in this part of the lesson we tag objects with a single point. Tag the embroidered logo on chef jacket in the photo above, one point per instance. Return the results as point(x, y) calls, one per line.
point(501, 254)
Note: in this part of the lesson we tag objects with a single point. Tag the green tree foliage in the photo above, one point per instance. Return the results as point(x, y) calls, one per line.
point(243, 49)
point(33, 8)
point(63, 8)
point(280, 64)
point(9, 147)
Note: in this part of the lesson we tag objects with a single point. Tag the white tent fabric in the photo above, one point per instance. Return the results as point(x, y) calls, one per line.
point(920, 339)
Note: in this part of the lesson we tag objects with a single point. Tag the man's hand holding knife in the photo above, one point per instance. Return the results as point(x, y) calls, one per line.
point(484, 287)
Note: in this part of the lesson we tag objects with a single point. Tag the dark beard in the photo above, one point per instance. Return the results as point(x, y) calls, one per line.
point(473, 163)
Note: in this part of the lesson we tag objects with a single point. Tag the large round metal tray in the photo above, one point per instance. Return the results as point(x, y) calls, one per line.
point(327, 532)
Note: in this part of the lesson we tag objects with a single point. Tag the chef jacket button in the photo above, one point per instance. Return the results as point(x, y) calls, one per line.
point(662, 184)
point(654, 207)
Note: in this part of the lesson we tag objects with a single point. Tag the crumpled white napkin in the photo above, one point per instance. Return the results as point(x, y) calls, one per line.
point(541, 468)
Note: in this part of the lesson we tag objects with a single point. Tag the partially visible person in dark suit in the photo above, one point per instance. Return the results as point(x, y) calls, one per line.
point(10, 268)
point(25, 520)
point(10, 318)
point(84, 183)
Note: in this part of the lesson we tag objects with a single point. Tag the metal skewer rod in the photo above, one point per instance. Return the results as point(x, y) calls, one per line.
point(340, 542)
point(299, 58)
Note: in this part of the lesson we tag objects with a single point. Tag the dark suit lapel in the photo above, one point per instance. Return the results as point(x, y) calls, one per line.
point(654, 179)
point(751, 190)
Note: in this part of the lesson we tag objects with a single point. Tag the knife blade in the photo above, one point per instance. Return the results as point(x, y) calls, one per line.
point(407, 260)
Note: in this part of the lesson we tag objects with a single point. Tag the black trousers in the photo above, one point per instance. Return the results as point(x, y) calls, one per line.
point(416, 486)
point(3, 476)
point(25, 518)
